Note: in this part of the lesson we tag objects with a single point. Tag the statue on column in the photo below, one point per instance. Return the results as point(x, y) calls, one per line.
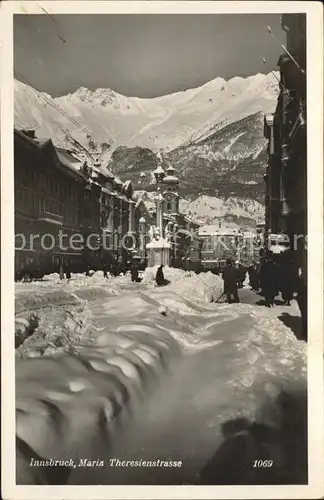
point(151, 233)
point(157, 234)
point(159, 158)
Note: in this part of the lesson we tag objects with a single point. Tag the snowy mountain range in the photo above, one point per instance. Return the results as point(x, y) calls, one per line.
point(213, 134)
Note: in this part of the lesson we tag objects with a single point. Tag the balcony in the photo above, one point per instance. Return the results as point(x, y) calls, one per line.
point(50, 218)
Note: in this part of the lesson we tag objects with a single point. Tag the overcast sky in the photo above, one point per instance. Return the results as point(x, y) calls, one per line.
point(141, 55)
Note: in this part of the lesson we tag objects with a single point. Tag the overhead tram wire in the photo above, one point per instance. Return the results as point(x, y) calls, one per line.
point(63, 113)
point(285, 49)
point(51, 17)
point(54, 105)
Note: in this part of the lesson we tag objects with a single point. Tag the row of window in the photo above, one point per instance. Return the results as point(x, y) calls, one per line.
point(105, 200)
point(212, 241)
point(46, 182)
point(33, 205)
point(24, 201)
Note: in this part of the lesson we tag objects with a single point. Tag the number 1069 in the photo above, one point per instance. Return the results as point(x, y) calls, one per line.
point(262, 463)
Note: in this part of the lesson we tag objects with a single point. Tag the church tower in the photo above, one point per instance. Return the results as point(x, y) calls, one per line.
point(171, 192)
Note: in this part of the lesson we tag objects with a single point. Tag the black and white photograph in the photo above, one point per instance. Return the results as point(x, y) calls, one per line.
point(165, 247)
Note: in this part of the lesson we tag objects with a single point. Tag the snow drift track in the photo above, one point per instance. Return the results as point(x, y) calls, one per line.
point(207, 363)
point(68, 398)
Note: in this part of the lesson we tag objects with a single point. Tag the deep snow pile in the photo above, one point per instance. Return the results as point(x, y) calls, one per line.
point(56, 319)
point(204, 286)
point(129, 342)
point(72, 404)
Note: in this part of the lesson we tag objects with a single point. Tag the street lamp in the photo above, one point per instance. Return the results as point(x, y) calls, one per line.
point(142, 233)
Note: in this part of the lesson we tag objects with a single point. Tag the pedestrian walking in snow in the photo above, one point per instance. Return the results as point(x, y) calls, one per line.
point(253, 277)
point(20, 275)
point(121, 268)
point(230, 282)
point(159, 278)
point(105, 269)
point(68, 270)
point(288, 275)
point(269, 279)
point(241, 273)
point(135, 273)
point(61, 272)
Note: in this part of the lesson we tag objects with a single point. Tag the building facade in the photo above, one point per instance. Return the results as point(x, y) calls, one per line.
point(220, 243)
point(286, 176)
point(67, 211)
point(60, 192)
point(48, 200)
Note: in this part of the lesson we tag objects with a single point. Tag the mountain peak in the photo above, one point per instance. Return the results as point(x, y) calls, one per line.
point(99, 96)
point(163, 122)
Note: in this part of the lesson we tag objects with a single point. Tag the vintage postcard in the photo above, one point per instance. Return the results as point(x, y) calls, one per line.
point(162, 249)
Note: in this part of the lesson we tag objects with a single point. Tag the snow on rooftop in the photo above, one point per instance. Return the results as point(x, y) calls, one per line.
point(171, 178)
point(216, 230)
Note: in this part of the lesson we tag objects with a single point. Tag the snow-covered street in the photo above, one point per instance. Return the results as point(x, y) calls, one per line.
point(130, 371)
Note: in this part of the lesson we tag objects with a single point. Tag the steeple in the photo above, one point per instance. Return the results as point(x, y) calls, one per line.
point(170, 170)
point(171, 191)
point(171, 180)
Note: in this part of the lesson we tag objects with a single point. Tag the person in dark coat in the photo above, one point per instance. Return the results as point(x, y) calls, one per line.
point(105, 270)
point(135, 273)
point(159, 278)
point(121, 268)
point(31, 270)
point(288, 274)
point(113, 266)
point(230, 282)
point(241, 273)
point(253, 277)
point(61, 272)
point(20, 275)
point(269, 279)
point(259, 267)
point(68, 270)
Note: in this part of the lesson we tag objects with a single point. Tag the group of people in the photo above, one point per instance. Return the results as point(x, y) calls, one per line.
point(272, 275)
point(115, 268)
point(233, 277)
point(28, 272)
point(120, 266)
